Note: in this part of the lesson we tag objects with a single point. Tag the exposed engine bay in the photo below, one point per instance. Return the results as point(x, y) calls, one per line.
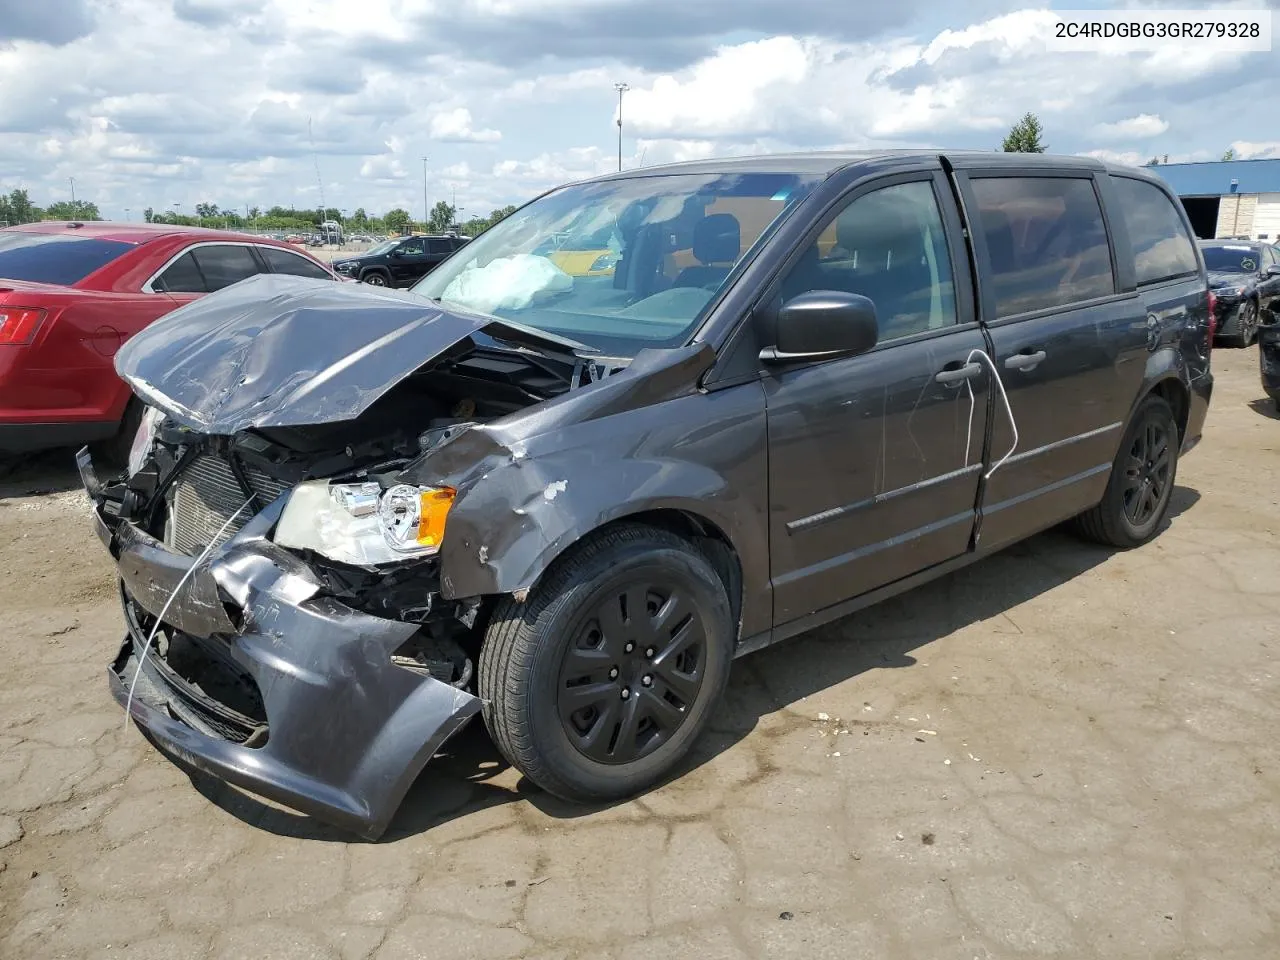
point(192, 491)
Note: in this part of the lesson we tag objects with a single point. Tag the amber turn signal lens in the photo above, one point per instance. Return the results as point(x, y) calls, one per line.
point(433, 510)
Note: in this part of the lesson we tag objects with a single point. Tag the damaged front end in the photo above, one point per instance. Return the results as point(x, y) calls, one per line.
point(286, 626)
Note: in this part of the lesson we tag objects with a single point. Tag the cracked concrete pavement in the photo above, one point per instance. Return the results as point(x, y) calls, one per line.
point(1061, 751)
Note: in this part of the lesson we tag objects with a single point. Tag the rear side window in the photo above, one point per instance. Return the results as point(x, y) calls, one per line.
point(225, 264)
point(182, 276)
point(1162, 248)
point(1046, 240)
point(282, 261)
point(57, 258)
point(439, 246)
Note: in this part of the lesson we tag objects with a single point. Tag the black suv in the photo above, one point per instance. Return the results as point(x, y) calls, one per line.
point(355, 518)
point(399, 262)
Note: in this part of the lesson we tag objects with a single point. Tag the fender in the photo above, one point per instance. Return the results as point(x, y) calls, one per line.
point(1165, 364)
point(531, 486)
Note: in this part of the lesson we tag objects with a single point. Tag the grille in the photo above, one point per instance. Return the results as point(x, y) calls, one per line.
point(207, 494)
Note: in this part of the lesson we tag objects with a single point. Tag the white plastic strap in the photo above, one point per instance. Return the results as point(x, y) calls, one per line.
point(165, 609)
point(1008, 409)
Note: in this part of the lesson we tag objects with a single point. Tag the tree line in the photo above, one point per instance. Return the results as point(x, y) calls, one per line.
point(16, 207)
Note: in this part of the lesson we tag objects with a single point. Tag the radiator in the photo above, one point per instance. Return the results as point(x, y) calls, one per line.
point(205, 495)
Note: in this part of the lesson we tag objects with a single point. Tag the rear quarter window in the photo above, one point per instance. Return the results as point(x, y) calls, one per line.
point(62, 259)
point(283, 261)
point(1046, 240)
point(1162, 247)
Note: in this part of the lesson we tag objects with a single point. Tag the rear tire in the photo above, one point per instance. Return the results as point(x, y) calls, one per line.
point(1142, 478)
point(596, 687)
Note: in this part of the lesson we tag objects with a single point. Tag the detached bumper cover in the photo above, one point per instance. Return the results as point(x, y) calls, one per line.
point(347, 731)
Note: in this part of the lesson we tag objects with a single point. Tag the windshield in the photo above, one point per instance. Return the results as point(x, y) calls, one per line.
point(618, 265)
point(382, 247)
point(1231, 258)
point(58, 258)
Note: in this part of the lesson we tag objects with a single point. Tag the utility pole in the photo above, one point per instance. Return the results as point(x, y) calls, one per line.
point(621, 88)
point(426, 209)
point(73, 193)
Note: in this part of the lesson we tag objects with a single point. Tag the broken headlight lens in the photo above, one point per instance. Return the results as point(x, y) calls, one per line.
point(360, 524)
point(143, 439)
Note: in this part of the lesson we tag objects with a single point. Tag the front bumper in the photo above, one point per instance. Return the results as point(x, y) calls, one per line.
point(344, 731)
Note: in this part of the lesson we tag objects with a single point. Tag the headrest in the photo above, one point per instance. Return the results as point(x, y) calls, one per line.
point(876, 225)
point(717, 238)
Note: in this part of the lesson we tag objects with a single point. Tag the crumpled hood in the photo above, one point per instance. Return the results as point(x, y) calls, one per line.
point(277, 351)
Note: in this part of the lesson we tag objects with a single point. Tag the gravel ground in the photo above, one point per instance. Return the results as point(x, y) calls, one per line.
point(1059, 751)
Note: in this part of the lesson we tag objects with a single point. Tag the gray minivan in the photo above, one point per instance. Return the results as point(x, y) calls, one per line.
point(355, 518)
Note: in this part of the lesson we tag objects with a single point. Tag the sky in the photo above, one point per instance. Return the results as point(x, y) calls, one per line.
point(262, 102)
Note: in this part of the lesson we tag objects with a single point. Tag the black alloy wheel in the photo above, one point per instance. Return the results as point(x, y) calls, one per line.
point(598, 683)
point(1140, 486)
point(632, 672)
point(1147, 473)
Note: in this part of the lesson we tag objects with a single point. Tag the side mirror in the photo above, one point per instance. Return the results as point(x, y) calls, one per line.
point(397, 252)
point(1272, 271)
point(822, 324)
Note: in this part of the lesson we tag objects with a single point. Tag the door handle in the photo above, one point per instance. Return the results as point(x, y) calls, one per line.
point(1025, 361)
point(959, 374)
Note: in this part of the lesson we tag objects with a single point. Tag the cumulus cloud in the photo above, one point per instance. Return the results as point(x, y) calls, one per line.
point(455, 126)
point(1141, 127)
point(273, 89)
point(55, 22)
point(1254, 150)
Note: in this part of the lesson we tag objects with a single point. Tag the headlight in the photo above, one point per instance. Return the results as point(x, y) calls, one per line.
point(1229, 291)
point(144, 438)
point(361, 525)
point(606, 261)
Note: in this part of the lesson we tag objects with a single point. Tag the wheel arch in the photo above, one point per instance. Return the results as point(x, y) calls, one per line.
point(704, 534)
point(521, 556)
point(1166, 377)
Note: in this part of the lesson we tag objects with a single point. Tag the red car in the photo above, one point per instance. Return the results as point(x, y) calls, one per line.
point(72, 293)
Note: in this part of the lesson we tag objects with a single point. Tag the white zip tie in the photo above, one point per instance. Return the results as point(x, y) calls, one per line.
point(1008, 408)
point(128, 706)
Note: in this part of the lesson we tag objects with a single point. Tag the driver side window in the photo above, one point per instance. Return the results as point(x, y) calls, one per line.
point(412, 248)
point(889, 246)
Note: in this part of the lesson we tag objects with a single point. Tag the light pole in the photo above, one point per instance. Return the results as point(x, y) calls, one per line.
point(621, 88)
point(73, 195)
point(126, 214)
point(426, 211)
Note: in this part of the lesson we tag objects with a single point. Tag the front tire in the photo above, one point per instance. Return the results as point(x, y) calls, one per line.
point(1246, 325)
point(599, 683)
point(375, 278)
point(1142, 477)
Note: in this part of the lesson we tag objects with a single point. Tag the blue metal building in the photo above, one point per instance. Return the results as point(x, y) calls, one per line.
point(1229, 198)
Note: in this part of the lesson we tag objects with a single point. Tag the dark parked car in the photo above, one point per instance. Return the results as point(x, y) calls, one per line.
point(72, 293)
point(399, 262)
point(354, 519)
point(1245, 279)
